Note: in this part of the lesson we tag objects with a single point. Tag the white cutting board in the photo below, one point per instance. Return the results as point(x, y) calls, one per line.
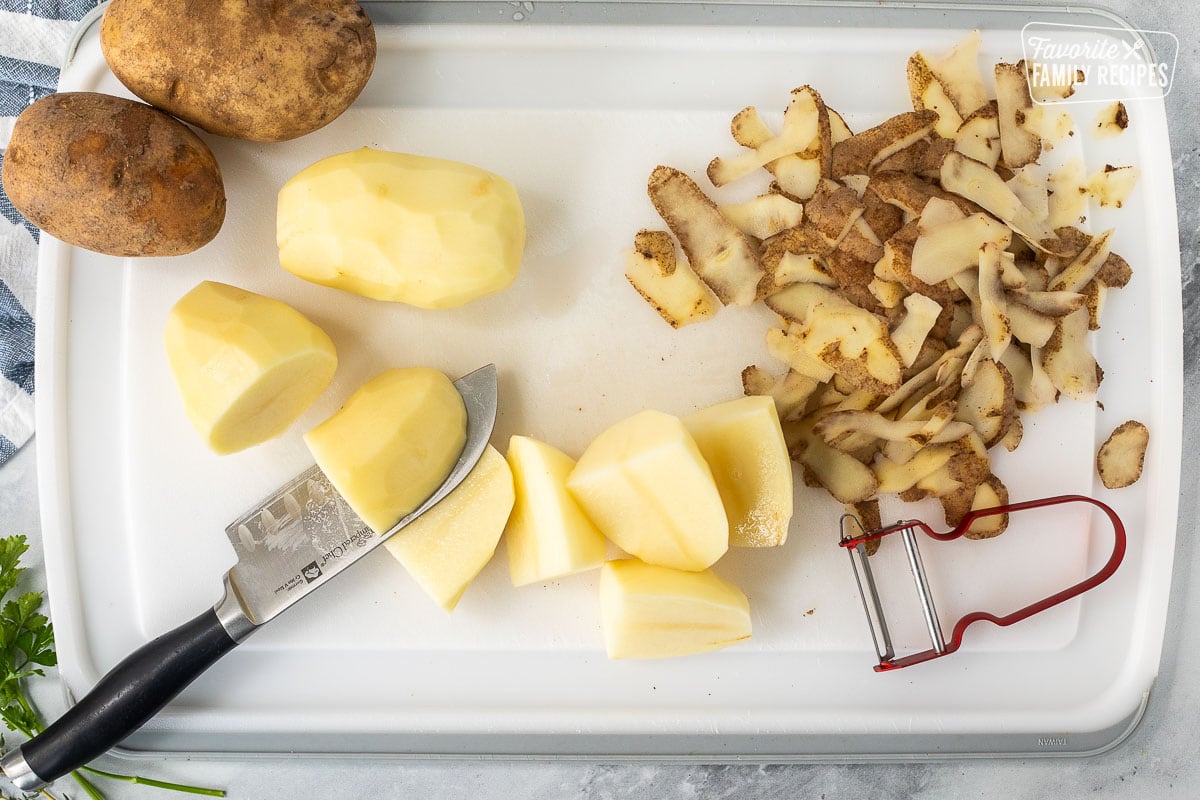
point(576, 116)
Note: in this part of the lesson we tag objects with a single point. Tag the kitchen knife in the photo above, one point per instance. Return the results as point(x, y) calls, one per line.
point(287, 547)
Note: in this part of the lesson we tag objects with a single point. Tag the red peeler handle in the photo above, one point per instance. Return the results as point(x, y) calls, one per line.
point(887, 663)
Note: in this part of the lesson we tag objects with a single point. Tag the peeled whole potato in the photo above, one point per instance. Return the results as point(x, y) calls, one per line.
point(250, 69)
point(114, 176)
point(391, 226)
point(392, 444)
point(247, 365)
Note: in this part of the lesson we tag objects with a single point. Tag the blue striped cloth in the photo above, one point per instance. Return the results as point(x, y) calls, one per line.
point(33, 42)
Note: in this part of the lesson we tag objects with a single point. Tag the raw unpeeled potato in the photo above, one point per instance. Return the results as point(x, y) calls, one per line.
point(392, 444)
point(424, 231)
point(650, 611)
point(548, 535)
point(742, 441)
point(246, 365)
point(646, 485)
point(447, 546)
point(114, 176)
point(252, 70)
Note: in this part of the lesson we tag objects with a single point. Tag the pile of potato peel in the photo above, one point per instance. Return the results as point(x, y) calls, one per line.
point(930, 278)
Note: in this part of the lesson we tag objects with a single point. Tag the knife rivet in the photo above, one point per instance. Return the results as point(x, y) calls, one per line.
point(246, 536)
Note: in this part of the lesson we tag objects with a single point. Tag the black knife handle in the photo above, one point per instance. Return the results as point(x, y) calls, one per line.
point(131, 693)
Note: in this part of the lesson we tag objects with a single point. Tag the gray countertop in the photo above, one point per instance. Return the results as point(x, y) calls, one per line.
point(1156, 761)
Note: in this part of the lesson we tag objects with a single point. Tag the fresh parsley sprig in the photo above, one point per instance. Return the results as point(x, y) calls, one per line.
point(26, 648)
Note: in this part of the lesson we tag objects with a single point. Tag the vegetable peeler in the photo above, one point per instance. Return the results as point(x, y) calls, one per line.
point(855, 545)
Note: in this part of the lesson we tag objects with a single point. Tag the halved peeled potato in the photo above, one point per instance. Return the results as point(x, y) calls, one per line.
point(392, 444)
point(447, 546)
point(246, 365)
point(651, 611)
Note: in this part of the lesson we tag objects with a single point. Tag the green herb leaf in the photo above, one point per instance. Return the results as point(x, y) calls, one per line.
point(27, 645)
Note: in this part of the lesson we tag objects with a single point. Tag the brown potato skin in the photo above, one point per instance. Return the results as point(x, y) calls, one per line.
point(261, 70)
point(113, 175)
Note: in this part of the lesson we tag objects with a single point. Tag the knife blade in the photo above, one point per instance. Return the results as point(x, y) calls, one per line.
point(289, 545)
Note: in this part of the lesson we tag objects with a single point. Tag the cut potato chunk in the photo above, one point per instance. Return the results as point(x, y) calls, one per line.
point(391, 226)
point(646, 485)
point(1120, 458)
point(447, 546)
point(547, 535)
point(392, 444)
point(651, 611)
point(742, 441)
point(247, 366)
point(672, 289)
